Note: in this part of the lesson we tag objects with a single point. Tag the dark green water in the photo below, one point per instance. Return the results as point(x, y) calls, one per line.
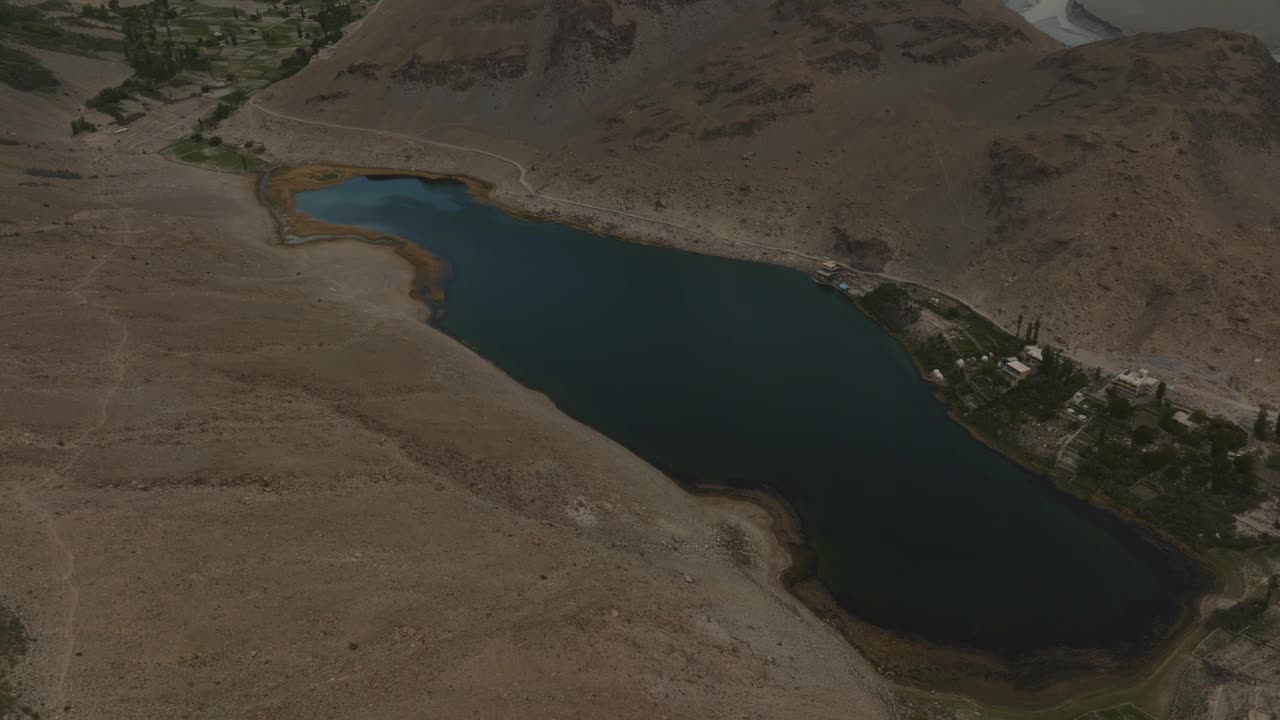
point(727, 372)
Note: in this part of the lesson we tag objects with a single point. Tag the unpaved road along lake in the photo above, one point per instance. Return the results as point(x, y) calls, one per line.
point(727, 372)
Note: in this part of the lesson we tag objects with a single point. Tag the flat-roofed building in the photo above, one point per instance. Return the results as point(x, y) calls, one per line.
point(1016, 369)
point(1135, 383)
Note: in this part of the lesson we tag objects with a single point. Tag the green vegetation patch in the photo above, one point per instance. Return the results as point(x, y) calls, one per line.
point(168, 42)
point(30, 26)
point(1052, 414)
point(48, 173)
point(1122, 712)
point(1203, 477)
point(14, 642)
point(1248, 611)
point(1213, 643)
point(23, 71)
point(216, 155)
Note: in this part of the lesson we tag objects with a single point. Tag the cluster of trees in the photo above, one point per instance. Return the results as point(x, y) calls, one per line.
point(333, 16)
point(1262, 427)
point(1032, 332)
point(1202, 457)
point(153, 57)
point(892, 306)
point(226, 106)
point(1202, 484)
point(108, 101)
point(101, 13)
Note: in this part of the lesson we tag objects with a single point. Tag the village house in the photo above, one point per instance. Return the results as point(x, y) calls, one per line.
point(1134, 383)
point(1016, 369)
point(829, 273)
point(1032, 355)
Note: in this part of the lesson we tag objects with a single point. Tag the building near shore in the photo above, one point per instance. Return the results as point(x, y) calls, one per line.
point(1134, 383)
point(1032, 355)
point(1015, 369)
point(829, 273)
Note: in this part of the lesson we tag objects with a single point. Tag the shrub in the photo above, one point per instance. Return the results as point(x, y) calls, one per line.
point(1244, 464)
point(59, 174)
point(109, 96)
point(1119, 408)
point(892, 306)
point(215, 141)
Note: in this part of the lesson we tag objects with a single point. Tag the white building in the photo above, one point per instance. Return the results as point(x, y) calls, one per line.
point(1134, 383)
point(1014, 368)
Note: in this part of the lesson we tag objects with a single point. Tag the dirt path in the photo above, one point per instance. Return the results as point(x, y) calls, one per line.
point(61, 546)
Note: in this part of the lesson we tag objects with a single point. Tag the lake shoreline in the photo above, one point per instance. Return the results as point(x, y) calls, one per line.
point(295, 228)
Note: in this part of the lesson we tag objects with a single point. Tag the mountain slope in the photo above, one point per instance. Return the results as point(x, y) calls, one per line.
point(1125, 190)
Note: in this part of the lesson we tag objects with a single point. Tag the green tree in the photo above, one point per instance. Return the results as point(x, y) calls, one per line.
point(1244, 463)
point(1119, 408)
point(1219, 467)
point(1143, 435)
point(1160, 391)
point(1260, 425)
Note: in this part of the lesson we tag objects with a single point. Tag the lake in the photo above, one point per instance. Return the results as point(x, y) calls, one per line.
point(726, 372)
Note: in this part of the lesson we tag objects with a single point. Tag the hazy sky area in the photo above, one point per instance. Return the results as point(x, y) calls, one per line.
point(1258, 17)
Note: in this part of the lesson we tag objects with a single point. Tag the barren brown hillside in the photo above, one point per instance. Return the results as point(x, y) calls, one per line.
point(1126, 192)
point(239, 480)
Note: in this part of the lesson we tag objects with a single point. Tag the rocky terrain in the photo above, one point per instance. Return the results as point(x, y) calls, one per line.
point(239, 480)
point(1100, 19)
point(1122, 191)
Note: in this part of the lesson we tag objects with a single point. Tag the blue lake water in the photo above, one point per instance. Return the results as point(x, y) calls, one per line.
point(734, 373)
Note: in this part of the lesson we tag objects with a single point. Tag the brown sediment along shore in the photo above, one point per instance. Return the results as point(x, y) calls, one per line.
point(278, 188)
point(1043, 679)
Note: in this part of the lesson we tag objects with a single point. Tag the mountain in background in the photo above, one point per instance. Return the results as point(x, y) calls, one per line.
point(1074, 22)
point(1127, 192)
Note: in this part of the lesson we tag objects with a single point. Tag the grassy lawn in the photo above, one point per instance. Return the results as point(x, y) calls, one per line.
point(1123, 712)
point(221, 157)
